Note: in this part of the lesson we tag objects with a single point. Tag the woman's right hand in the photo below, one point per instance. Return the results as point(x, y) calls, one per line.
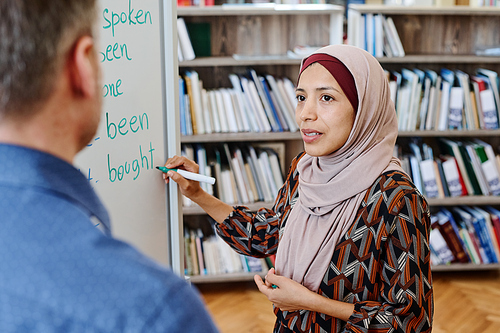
point(189, 188)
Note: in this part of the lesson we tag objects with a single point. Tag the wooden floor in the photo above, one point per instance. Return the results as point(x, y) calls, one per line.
point(464, 302)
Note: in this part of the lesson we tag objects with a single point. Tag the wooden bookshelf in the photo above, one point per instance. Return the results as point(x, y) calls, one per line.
point(259, 37)
point(444, 37)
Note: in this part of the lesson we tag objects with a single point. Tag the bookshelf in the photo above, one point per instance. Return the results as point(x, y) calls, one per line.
point(435, 38)
point(257, 37)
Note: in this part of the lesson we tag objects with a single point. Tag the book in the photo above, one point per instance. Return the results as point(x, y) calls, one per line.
point(491, 232)
point(184, 40)
point(488, 113)
point(439, 166)
point(221, 109)
point(379, 35)
point(476, 165)
point(452, 176)
point(464, 83)
point(395, 35)
point(487, 159)
point(408, 100)
point(199, 35)
point(483, 235)
point(495, 221)
point(493, 81)
point(182, 105)
point(425, 103)
point(429, 178)
point(391, 47)
point(263, 101)
point(287, 111)
point(254, 100)
point(470, 238)
point(233, 122)
point(455, 110)
point(369, 33)
point(452, 148)
point(207, 113)
point(245, 107)
point(214, 110)
point(450, 233)
point(439, 246)
point(200, 252)
point(193, 84)
point(276, 111)
point(262, 178)
point(254, 176)
point(447, 79)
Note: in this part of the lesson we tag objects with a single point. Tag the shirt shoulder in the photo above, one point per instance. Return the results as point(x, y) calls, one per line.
point(394, 190)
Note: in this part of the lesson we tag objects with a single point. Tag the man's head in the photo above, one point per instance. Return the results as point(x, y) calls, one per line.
point(47, 60)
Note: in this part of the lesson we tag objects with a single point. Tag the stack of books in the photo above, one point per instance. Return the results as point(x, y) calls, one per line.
point(244, 173)
point(198, 3)
point(254, 103)
point(465, 235)
point(461, 168)
point(210, 255)
point(448, 100)
point(375, 33)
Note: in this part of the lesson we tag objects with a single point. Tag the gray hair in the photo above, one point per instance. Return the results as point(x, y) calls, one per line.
point(35, 37)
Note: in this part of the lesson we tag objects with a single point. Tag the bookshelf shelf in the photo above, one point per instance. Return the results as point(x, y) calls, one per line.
point(196, 210)
point(242, 61)
point(427, 10)
point(440, 59)
point(470, 200)
point(233, 277)
point(451, 133)
point(265, 9)
point(241, 137)
point(228, 277)
point(464, 267)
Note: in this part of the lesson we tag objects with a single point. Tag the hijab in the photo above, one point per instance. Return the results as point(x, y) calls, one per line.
point(331, 188)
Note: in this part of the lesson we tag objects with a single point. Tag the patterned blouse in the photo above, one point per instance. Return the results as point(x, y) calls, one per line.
point(381, 265)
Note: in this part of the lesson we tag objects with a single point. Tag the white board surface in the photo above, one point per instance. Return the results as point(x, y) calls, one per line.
point(120, 162)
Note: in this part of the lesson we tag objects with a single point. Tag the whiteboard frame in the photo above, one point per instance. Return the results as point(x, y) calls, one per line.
point(171, 132)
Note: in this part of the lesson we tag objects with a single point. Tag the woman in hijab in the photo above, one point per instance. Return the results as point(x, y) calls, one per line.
point(349, 229)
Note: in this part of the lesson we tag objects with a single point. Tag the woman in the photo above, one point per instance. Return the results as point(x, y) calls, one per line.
point(349, 228)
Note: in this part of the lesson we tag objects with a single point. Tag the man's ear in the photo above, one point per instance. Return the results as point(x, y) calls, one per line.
point(83, 63)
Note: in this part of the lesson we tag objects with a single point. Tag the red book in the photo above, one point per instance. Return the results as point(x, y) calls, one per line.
point(495, 220)
point(445, 227)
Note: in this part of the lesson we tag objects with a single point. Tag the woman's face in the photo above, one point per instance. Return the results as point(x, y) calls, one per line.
point(324, 114)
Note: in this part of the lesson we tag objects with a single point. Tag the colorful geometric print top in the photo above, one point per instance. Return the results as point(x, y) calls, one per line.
point(381, 265)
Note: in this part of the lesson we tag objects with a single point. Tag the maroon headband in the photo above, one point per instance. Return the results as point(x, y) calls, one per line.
point(339, 71)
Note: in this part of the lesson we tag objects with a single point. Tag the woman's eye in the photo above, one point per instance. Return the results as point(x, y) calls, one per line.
point(301, 98)
point(327, 98)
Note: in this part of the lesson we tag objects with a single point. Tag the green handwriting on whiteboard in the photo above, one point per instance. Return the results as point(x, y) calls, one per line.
point(133, 17)
point(115, 51)
point(134, 124)
point(112, 89)
point(118, 172)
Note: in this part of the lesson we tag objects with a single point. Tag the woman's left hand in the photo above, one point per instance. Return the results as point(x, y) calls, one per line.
point(287, 294)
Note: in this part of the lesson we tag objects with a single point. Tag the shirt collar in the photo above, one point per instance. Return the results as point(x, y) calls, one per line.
point(21, 166)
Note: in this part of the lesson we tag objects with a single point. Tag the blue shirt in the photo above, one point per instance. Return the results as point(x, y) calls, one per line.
point(59, 273)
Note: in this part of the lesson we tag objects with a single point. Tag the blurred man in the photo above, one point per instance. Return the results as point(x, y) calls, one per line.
point(59, 273)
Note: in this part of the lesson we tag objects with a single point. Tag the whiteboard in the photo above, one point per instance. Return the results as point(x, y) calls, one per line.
point(120, 161)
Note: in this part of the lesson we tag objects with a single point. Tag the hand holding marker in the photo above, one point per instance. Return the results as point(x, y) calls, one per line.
point(190, 175)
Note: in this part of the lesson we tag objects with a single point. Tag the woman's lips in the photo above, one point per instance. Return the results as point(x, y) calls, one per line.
point(309, 135)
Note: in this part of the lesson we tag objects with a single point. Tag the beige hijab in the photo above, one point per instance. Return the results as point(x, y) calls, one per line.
point(332, 187)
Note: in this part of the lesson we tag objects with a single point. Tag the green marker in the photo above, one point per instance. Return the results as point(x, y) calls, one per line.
point(189, 175)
